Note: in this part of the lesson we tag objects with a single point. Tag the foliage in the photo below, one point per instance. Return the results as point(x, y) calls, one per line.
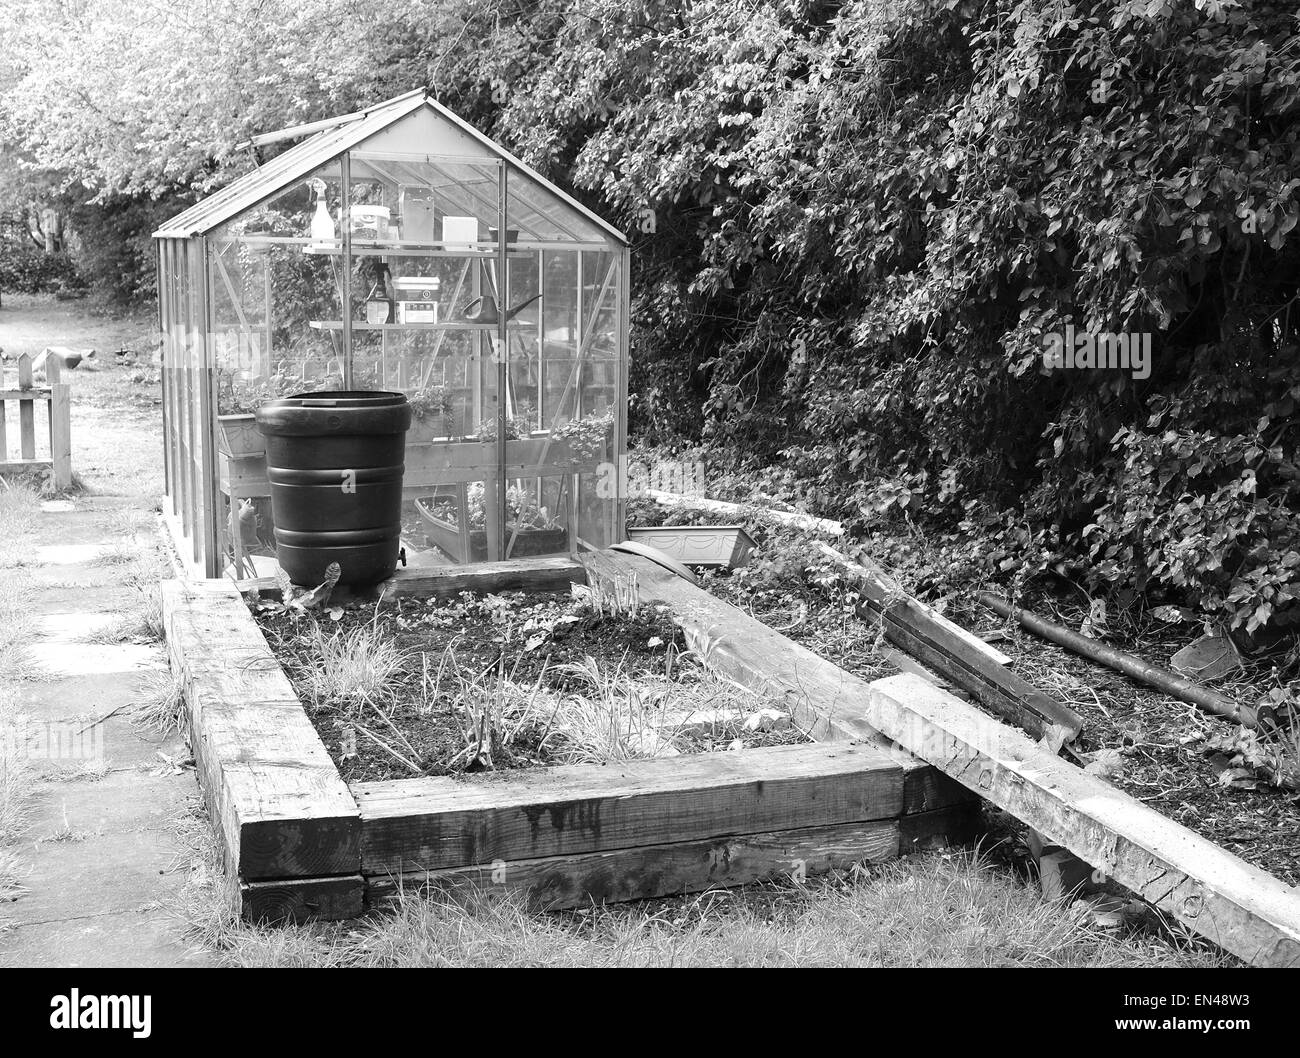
point(24, 269)
point(587, 438)
point(854, 224)
point(521, 509)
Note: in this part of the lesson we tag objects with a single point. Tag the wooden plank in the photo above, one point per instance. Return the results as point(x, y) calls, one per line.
point(61, 435)
point(825, 699)
point(273, 792)
point(544, 573)
point(662, 870)
point(807, 522)
point(21, 466)
point(300, 899)
point(883, 588)
point(33, 393)
point(1003, 692)
point(436, 823)
point(957, 655)
point(1239, 907)
point(26, 409)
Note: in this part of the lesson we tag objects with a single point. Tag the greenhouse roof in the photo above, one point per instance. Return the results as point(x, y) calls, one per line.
point(300, 162)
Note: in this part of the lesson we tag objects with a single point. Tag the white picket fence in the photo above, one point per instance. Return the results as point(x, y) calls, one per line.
point(58, 406)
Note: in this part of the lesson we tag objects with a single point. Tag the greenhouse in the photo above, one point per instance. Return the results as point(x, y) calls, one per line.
point(398, 249)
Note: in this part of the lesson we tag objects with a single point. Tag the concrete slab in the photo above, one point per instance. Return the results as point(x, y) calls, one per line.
point(121, 802)
point(73, 878)
point(71, 627)
point(113, 598)
point(79, 575)
point(65, 554)
point(94, 659)
point(115, 744)
point(121, 939)
point(104, 527)
point(88, 697)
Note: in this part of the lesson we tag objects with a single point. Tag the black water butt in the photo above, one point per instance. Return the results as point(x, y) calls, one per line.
point(335, 461)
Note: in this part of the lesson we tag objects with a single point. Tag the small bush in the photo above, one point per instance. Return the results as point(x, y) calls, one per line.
point(24, 269)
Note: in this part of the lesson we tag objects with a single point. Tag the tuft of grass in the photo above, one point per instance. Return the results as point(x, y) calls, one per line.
point(118, 554)
point(354, 666)
point(949, 909)
point(615, 718)
point(15, 778)
point(15, 794)
point(622, 716)
point(161, 705)
point(16, 661)
point(20, 508)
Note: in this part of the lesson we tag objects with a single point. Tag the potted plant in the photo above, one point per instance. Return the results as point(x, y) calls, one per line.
point(431, 412)
point(534, 529)
point(586, 438)
point(237, 399)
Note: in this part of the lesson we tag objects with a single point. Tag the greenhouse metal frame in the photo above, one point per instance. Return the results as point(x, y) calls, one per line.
point(400, 249)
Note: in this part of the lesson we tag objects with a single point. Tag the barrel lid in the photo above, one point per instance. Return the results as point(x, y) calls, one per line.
point(337, 411)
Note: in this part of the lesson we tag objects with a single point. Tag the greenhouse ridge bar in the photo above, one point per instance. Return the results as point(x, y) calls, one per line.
point(399, 249)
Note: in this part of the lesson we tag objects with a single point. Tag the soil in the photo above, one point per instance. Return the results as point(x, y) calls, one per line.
point(487, 638)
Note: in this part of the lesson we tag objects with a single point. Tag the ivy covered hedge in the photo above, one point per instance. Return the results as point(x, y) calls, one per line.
point(856, 222)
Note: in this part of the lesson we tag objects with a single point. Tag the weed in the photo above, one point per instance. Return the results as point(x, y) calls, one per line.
point(161, 704)
point(353, 666)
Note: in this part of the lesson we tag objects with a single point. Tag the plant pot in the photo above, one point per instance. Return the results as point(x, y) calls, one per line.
point(239, 437)
point(707, 546)
point(444, 534)
point(428, 428)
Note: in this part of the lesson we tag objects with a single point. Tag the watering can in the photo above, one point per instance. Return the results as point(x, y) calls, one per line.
point(487, 311)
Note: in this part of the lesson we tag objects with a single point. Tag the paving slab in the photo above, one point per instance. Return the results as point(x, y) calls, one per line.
point(79, 575)
point(66, 554)
point(116, 598)
point(86, 697)
point(79, 877)
point(64, 627)
point(114, 745)
point(120, 802)
point(121, 939)
point(94, 528)
point(62, 658)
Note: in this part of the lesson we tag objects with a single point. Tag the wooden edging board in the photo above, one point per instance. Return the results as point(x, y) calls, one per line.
point(282, 812)
point(546, 573)
point(302, 844)
point(1241, 908)
point(957, 655)
point(649, 871)
point(435, 823)
point(825, 699)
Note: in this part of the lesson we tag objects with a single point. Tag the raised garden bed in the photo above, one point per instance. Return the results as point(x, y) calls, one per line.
point(490, 682)
point(305, 842)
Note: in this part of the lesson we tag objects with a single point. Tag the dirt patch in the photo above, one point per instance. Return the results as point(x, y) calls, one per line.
point(1159, 744)
point(495, 682)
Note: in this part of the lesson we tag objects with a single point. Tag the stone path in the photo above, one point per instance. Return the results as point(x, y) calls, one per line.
point(108, 849)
